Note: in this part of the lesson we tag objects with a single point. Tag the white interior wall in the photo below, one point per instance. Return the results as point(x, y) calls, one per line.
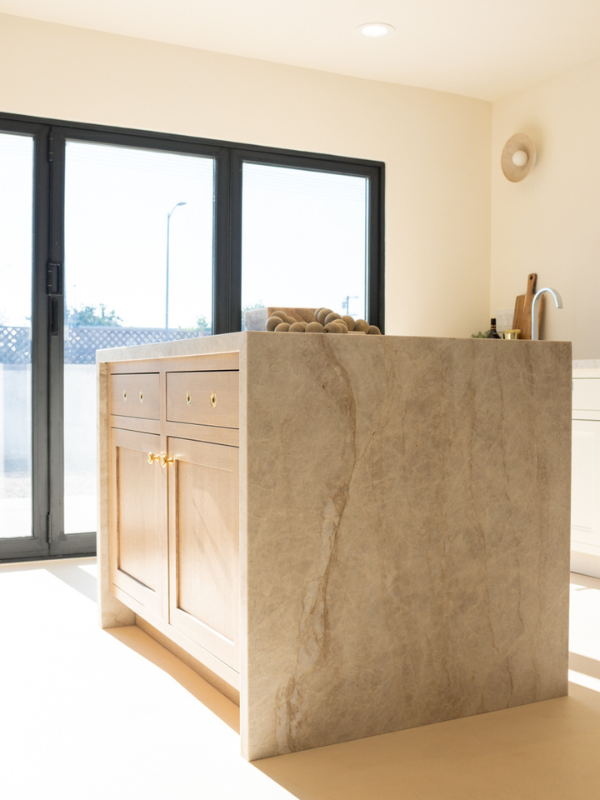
point(549, 222)
point(435, 145)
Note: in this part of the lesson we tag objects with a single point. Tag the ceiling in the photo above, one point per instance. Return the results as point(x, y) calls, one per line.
point(480, 48)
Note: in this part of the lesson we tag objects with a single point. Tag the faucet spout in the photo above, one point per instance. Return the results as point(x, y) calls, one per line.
point(535, 306)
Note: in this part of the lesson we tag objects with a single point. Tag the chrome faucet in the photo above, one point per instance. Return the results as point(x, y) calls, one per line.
point(535, 309)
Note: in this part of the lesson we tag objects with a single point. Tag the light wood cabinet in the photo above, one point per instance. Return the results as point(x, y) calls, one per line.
point(174, 487)
point(204, 545)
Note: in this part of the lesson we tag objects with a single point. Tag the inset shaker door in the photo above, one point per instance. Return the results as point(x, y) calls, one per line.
point(139, 519)
point(204, 545)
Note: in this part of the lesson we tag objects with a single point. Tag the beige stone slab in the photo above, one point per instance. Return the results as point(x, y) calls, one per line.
point(404, 530)
point(225, 343)
point(112, 613)
point(408, 533)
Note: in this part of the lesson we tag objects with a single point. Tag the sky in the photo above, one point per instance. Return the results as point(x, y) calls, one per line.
point(16, 196)
point(303, 234)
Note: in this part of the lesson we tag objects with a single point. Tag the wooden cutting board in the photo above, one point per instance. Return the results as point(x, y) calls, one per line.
point(522, 317)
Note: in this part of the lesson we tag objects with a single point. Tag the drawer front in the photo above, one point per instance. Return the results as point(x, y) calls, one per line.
point(586, 393)
point(204, 398)
point(135, 395)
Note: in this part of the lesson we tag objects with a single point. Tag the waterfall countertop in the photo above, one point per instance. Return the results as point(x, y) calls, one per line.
point(404, 528)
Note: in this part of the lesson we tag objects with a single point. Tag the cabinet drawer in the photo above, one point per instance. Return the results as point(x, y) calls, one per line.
point(204, 398)
point(135, 395)
point(586, 393)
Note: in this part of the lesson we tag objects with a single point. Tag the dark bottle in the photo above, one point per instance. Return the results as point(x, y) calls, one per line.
point(493, 333)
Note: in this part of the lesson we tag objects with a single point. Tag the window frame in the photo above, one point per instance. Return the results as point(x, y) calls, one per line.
point(50, 137)
point(373, 171)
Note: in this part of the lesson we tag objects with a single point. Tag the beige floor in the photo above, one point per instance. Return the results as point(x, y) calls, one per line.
point(88, 714)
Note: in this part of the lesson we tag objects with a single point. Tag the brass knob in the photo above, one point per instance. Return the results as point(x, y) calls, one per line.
point(152, 458)
point(141, 397)
point(188, 398)
point(125, 395)
point(213, 399)
point(164, 460)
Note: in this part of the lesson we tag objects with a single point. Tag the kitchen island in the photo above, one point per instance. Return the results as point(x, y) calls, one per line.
point(357, 534)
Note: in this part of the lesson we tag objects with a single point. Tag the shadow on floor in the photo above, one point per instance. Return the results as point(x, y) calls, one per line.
point(543, 750)
point(137, 640)
point(585, 665)
point(75, 577)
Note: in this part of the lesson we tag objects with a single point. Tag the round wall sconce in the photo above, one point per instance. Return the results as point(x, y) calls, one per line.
point(518, 157)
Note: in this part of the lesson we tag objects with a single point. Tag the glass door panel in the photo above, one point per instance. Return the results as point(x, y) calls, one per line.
point(138, 269)
point(16, 225)
point(304, 239)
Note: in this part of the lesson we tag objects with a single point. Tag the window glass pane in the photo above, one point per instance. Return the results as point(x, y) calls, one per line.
point(304, 239)
point(138, 269)
point(16, 219)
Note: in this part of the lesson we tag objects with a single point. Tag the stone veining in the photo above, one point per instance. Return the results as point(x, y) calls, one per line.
point(415, 594)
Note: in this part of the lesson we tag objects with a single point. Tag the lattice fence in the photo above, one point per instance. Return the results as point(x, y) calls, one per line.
point(82, 342)
point(15, 345)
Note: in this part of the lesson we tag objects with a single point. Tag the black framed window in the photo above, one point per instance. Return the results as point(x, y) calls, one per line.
point(309, 232)
point(115, 237)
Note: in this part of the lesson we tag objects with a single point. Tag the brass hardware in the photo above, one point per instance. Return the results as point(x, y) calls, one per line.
point(152, 458)
point(141, 397)
point(125, 395)
point(213, 399)
point(188, 398)
point(164, 460)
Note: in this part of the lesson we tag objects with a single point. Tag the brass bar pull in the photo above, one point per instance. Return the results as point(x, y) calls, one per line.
point(164, 460)
point(152, 458)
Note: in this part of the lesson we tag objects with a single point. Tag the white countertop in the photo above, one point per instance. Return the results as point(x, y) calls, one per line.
point(586, 368)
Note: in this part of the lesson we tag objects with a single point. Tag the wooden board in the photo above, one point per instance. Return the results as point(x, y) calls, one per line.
point(522, 317)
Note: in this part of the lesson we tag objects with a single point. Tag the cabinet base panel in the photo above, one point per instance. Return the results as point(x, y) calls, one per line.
point(208, 662)
point(208, 675)
point(584, 563)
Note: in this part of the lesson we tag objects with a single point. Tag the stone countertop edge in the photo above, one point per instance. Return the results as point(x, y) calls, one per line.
point(223, 343)
point(233, 342)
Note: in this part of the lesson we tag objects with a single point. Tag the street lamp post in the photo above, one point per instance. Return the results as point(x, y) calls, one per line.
point(182, 203)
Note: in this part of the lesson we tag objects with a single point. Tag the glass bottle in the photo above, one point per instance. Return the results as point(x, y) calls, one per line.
point(493, 333)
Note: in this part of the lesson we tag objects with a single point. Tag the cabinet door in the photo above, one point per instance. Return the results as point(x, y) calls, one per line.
point(585, 489)
point(138, 524)
point(204, 545)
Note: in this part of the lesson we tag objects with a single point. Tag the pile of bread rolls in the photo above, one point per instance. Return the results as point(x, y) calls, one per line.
point(324, 321)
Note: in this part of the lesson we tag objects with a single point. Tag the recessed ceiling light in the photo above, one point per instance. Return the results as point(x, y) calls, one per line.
point(374, 29)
